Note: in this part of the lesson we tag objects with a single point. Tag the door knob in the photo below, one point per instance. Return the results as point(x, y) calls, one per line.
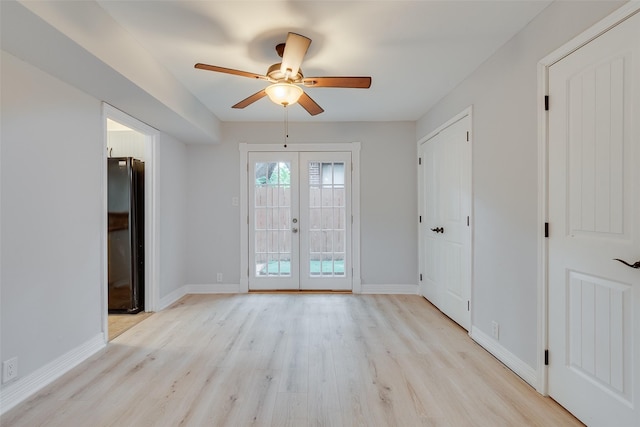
point(636, 265)
point(438, 230)
point(294, 230)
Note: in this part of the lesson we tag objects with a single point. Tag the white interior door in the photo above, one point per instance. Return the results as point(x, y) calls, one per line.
point(431, 276)
point(299, 221)
point(594, 216)
point(445, 227)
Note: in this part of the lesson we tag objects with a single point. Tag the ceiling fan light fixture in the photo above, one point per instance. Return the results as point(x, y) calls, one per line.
point(286, 75)
point(284, 93)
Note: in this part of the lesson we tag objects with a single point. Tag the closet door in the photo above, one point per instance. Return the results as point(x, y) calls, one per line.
point(445, 227)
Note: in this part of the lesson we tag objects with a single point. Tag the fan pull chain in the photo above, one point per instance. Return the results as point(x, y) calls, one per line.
point(286, 125)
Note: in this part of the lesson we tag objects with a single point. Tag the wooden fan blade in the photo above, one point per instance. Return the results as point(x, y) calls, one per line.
point(294, 51)
point(309, 104)
point(348, 82)
point(230, 71)
point(251, 99)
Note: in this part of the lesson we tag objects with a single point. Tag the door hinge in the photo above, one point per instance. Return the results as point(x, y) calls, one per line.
point(421, 277)
point(467, 220)
point(468, 306)
point(467, 136)
point(546, 103)
point(546, 358)
point(420, 219)
point(419, 160)
point(546, 229)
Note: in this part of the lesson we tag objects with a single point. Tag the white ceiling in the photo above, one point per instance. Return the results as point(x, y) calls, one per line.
point(415, 51)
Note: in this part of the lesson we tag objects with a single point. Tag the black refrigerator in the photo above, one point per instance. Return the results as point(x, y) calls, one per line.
point(125, 200)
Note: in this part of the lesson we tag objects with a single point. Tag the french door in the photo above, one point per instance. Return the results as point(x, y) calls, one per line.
point(299, 220)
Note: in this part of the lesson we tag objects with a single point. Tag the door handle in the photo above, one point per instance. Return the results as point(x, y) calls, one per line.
point(294, 230)
point(636, 265)
point(438, 230)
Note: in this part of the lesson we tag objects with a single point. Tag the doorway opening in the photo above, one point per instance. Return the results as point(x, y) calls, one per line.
point(129, 290)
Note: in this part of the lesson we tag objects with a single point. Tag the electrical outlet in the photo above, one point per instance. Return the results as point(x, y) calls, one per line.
point(219, 277)
point(495, 330)
point(9, 369)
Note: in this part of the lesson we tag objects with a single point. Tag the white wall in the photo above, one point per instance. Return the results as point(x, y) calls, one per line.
point(62, 39)
point(52, 165)
point(504, 98)
point(126, 143)
point(52, 200)
point(172, 177)
point(388, 197)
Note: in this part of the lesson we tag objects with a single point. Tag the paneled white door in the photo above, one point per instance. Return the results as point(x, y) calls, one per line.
point(594, 218)
point(430, 276)
point(445, 228)
point(299, 221)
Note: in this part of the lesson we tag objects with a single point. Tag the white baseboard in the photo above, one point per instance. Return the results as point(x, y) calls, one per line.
point(216, 288)
point(172, 297)
point(18, 391)
point(234, 288)
point(512, 362)
point(389, 289)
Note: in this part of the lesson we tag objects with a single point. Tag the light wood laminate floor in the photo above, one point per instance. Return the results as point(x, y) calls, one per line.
point(120, 323)
point(292, 360)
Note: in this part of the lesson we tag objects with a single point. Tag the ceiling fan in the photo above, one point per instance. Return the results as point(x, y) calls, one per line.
point(286, 76)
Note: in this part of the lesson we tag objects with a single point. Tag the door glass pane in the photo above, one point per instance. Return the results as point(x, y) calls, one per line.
point(314, 264)
point(314, 218)
point(327, 219)
point(272, 219)
point(315, 241)
point(338, 264)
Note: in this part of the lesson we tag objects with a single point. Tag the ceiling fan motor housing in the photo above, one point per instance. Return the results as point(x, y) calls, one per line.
point(274, 72)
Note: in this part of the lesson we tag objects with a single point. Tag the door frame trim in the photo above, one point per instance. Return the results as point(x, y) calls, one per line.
point(618, 16)
point(353, 148)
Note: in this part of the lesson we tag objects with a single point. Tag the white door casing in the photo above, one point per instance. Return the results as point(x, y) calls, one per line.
point(445, 210)
point(594, 217)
